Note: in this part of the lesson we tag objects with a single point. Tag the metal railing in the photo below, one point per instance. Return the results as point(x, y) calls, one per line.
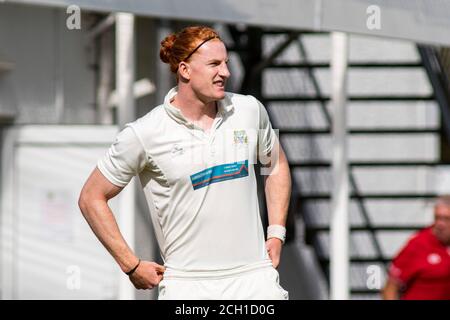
point(437, 65)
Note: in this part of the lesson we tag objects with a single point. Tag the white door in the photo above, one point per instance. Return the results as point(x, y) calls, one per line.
point(48, 249)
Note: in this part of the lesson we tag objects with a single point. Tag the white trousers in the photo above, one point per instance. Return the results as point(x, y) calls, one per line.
point(261, 283)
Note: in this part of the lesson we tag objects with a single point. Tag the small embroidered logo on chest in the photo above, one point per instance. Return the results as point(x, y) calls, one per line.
point(240, 137)
point(176, 150)
point(434, 258)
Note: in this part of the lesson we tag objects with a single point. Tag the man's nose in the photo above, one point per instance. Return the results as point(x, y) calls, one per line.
point(440, 224)
point(224, 72)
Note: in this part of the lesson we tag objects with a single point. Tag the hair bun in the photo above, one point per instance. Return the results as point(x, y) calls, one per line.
point(165, 53)
point(178, 47)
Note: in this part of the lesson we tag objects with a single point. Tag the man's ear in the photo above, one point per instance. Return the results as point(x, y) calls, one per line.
point(184, 70)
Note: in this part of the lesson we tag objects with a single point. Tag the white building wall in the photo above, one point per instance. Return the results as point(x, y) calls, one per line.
point(52, 80)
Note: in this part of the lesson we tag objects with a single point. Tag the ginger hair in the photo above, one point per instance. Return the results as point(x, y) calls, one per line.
point(180, 46)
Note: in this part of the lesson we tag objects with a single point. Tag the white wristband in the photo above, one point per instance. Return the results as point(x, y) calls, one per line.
point(276, 231)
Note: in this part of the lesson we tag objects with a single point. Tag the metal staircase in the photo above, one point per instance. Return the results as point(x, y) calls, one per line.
point(269, 67)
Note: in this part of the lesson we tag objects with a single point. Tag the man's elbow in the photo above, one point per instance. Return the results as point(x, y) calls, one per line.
point(82, 202)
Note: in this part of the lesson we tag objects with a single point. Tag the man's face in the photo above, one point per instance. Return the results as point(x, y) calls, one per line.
point(209, 71)
point(441, 226)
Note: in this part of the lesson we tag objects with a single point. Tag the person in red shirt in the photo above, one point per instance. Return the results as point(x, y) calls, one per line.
point(421, 270)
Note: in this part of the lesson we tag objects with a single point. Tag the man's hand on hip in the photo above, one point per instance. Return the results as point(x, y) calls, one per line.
point(148, 275)
point(273, 246)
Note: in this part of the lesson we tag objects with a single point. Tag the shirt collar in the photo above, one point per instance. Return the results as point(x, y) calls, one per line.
point(224, 106)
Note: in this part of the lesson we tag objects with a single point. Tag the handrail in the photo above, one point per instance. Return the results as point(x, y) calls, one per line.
point(439, 79)
point(444, 57)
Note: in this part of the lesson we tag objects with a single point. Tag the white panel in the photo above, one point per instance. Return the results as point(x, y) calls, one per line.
point(381, 212)
point(53, 239)
point(361, 244)
point(362, 49)
point(373, 82)
point(48, 249)
point(368, 114)
point(83, 135)
point(318, 213)
point(366, 147)
point(392, 242)
point(297, 115)
point(393, 179)
point(291, 54)
point(424, 147)
point(396, 114)
point(374, 179)
point(51, 66)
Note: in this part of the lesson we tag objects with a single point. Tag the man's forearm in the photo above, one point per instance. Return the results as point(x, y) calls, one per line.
point(102, 222)
point(391, 290)
point(278, 191)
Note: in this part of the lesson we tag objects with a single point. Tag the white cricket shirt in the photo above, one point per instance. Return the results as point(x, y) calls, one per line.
point(200, 187)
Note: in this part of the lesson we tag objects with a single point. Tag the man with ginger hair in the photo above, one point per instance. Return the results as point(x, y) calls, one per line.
point(421, 271)
point(195, 156)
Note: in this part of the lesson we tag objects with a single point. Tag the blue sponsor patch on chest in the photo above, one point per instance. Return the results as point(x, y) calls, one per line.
point(219, 173)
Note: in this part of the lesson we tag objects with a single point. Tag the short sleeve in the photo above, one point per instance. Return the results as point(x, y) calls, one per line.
point(404, 267)
point(124, 159)
point(266, 135)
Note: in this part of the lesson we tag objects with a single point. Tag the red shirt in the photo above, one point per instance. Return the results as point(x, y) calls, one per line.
point(423, 268)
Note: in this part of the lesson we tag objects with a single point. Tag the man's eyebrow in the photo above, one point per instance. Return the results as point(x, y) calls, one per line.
point(217, 60)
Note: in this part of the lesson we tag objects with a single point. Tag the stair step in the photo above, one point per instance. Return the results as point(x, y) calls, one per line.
point(373, 196)
point(405, 163)
point(372, 228)
point(234, 48)
point(360, 260)
point(301, 32)
point(364, 291)
point(355, 131)
point(368, 64)
point(351, 98)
